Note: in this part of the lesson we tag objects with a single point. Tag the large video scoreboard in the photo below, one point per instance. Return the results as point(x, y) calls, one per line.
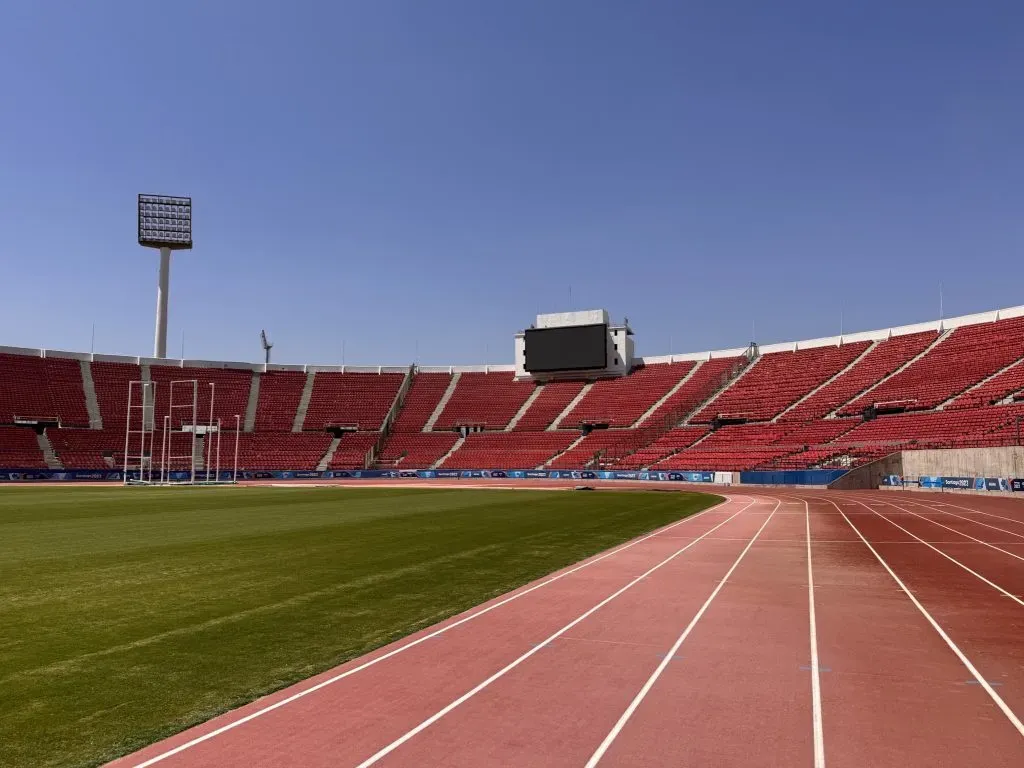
point(570, 348)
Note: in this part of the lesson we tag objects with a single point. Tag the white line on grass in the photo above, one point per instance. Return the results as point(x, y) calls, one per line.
point(385, 751)
point(645, 689)
point(1014, 720)
point(349, 672)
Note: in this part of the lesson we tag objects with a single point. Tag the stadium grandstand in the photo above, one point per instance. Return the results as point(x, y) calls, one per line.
point(835, 402)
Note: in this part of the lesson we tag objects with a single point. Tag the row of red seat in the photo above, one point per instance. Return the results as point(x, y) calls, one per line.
point(552, 399)
point(886, 357)
point(19, 449)
point(779, 379)
point(965, 357)
point(42, 388)
point(508, 450)
point(622, 401)
point(487, 400)
point(416, 450)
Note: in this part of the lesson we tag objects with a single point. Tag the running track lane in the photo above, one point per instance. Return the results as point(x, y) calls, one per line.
point(985, 623)
point(554, 709)
point(742, 693)
point(892, 691)
point(355, 708)
point(994, 551)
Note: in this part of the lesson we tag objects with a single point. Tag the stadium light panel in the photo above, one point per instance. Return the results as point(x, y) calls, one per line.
point(165, 222)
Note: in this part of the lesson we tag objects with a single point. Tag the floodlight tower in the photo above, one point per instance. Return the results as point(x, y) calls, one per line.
point(266, 348)
point(164, 223)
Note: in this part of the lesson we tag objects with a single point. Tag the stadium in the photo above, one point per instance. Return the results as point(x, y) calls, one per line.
point(814, 408)
point(766, 430)
point(525, 530)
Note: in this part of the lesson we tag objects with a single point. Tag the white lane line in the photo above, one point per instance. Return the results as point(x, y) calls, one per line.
point(957, 506)
point(951, 514)
point(819, 729)
point(349, 672)
point(959, 533)
point(385, 751)
point(953, 559)
point(617, 728)
point(1014, 720)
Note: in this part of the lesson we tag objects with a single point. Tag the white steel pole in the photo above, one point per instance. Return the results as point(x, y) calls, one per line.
point(195, 405)
point(216, 473)
point(127, 432)
point(164, 448)
point(149, 427)
point(207, 443)
point(162, 288)
point(142, 435)
point(238, 424)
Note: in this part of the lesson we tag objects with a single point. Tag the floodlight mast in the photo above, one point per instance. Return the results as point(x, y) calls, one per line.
point(165, 223)
point(266, 349)
point(162, 288)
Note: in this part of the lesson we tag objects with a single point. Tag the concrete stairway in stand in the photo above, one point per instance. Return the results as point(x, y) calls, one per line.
point(429, 426)
point(443, 459)
point(825, 383)
point(571, 445)
point(325, 462)
point(49, 455)
point(661, 400)
point(568, 409)
point(938, 340)
point(300, 412)
point(524, 408)
point(92, 404)
point(250, 407)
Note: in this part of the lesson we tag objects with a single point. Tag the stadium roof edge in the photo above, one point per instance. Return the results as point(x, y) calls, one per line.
point(788, 346)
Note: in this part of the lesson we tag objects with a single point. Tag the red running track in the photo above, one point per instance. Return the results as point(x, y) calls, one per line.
point(781, 628)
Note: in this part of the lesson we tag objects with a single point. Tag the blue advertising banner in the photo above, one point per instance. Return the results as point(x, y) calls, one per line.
point(966, 483)
point(792, 477)
point(892, 481)
point(30, 475)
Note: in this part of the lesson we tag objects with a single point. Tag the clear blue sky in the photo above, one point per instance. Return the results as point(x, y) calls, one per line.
point(426, 176)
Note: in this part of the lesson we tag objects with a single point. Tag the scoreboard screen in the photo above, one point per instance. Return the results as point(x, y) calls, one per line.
point(573, 348)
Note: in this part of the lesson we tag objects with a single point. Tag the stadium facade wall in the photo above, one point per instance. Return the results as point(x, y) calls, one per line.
point(884, 333)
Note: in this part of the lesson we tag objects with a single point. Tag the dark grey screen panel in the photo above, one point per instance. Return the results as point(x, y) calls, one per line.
point(576, 348)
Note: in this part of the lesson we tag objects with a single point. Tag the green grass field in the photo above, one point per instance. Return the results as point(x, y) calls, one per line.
point(129, 614)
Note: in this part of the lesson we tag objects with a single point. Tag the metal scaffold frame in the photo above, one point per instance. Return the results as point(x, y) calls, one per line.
point(139, 430)
point(180, 431)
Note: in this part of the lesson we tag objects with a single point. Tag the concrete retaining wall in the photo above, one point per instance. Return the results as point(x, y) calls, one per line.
point(964, 462)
